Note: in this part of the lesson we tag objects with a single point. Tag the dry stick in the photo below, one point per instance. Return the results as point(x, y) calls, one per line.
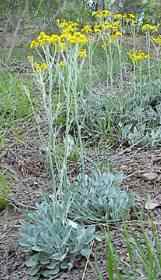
point(20, 206)
point(15, 35)
point(87, 262)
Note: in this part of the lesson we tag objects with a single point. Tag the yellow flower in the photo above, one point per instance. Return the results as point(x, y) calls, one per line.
point(101, 13)
point(69, 26)
point(138, 56)
point(150, 27)
point(115, 26)
point(86, 29)
point(64, 36)
point(82, 53)
point(39, 67)
point(77, 38)
point(97, 28)
point(44, 39)
point(34, 44)
point(117, 16)
point(130, 18)
point(106, 26)
point(54, 39)
point(157, 40)
point(116, 35)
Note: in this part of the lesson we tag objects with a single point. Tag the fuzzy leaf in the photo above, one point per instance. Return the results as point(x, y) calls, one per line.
point(33, 261)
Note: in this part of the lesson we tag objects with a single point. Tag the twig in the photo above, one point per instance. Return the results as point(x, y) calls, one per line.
point(87, 262)
point(20, 205)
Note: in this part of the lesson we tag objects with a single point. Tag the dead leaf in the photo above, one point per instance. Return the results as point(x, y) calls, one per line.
point(150, 176)
point(151, 204)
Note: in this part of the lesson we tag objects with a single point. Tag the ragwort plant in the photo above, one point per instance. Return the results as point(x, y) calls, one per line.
point(64, 59)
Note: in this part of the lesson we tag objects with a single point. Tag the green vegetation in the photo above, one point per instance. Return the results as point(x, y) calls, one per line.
point(141, 259)
point(14, 103)
point(4, 191)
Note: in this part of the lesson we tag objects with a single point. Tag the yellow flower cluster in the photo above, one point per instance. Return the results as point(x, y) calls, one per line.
point(44, 39)
point(116, 35)
point(129, 17)
point(87, 28)
point(59, 40)
point(39, 67)
point(71, 33)
point(107, 26)
point(77, 38)
point(101, 13)
point(157, 40)
point(150, 28)
point(138, 56)
point(113, 27)
point(67, 26)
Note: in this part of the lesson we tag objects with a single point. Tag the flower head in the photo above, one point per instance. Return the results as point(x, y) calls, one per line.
point(157, 40)
point(130, 18)
point(68, 26)
point(111, 26)
point(86, 29)
point(39, 67)
point(97, 28)
point(127, 17)
point(138, 56)
point(149, 28)
point(116, 35)
point(101, 13)
point(34, 44)
point(117, 16)
point(77, 38)
point(54, 39)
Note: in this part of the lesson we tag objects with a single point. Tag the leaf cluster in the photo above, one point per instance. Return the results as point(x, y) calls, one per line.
point(99, 198)
point(54, 241)
point(57, 234)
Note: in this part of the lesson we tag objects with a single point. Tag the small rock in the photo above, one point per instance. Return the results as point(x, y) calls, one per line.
point(150, 176)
